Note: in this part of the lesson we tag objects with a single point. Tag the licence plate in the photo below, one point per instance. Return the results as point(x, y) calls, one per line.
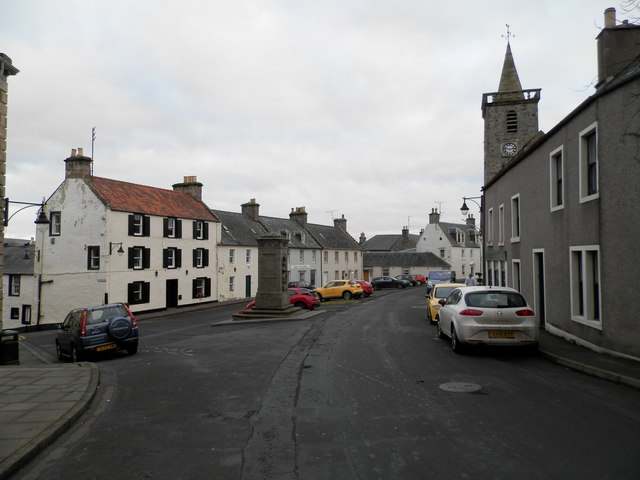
point(106, 347)
point(502, 334)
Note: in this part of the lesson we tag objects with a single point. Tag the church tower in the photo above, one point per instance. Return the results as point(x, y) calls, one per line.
point(510, 118)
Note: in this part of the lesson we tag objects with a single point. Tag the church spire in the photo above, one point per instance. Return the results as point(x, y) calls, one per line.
point(509, 80)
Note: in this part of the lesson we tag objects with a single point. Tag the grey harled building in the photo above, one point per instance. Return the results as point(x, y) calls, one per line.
point(560, 220)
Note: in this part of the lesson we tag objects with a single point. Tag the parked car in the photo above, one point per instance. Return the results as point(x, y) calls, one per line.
point(298, 297)
point(346, 289)
point(367, 289)
point(487, 315)
point(301, 284)
point(421, 279)
point(388, 282)
point(437, 293)
point(409, 278)
point(440, 276)
point(96, 329)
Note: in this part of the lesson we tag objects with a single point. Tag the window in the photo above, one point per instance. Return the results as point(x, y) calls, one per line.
point(501, 225)
point(200, 257)
point(201, 287)
point(515, 218)
point(139, 258)
point(490, 227)
point(556, 170)
point(346, 257)
point(232, 256)
point(336, 257)
point(247, 256)
point(588, 164)
point(171, 258)
point(385, 272)
point(232, 283)
point(325, 256)
point(200, 230)
point(585, 285)
point(313, 256)
point(301, 256)
point(172, 227)
point(462, 253)
point(512, 122)
point(93, 257)
point(15, 313)
point(516, 274)
point(138, 292)
point(14, 285)
point(54, 226)
point(442, 253)
point(355, 257)
point(139, 225)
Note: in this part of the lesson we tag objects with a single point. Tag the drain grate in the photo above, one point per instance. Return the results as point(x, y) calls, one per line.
point(462, 387)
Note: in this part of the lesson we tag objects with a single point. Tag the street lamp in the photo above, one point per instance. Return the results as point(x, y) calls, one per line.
point(42, 217)
point(465, 209)
point(113, 245)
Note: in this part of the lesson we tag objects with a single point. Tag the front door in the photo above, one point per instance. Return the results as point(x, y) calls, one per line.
point(538, 279)
point(172, 293)
point(247, 285)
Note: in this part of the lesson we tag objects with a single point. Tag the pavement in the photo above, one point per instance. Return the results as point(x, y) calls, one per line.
point(40, 400)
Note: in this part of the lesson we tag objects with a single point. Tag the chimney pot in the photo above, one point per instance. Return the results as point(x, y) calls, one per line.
point(610, 17)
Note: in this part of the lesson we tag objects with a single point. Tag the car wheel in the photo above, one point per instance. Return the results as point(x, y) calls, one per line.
point(59, 352)
point(132, 350)
point(456, 345)
point(346, 295)
point(76, 354)
point(320, 297)
point(299, 305)
point(440, 332)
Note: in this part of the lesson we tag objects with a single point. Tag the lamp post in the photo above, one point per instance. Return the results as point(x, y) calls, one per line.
point(465, 210)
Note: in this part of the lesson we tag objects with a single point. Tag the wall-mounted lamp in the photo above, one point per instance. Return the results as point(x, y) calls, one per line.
point(465, 209)
point(113, 245)
point(42, 217)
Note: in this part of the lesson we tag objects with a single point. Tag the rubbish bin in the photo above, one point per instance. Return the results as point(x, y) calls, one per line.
point(9, 348)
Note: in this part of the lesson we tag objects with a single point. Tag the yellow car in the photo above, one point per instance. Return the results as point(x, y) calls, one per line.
point(346, 289)
point(441, 290)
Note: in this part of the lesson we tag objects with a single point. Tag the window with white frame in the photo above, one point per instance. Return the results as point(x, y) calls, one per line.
point(232, 256)
point(247, 256)
point(301, 256)
point(589, 163)
point(201, 287)
point(325, 256)
point(313, 256)
point(490, 227)
point(556, 175)
point(200, 257)
point(139, 225)
point(336, 257)
point(139, 258)
point(172, 258)
point(93, 257)
point(442, 253)
point(200, 230)
point(515, 218)
point(14, 285)
point(346, 257)
point(54, 225)
point(516, 274)
point(138, 292)
point(585, 285)
point(501, 225)
point(172, 227)
point(232, 283)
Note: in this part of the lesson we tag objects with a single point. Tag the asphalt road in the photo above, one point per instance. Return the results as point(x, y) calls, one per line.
point(363, 391)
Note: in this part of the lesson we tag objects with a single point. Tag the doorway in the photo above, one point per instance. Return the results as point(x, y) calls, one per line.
point(172, 293)
point(247, 285)
point(538, 287)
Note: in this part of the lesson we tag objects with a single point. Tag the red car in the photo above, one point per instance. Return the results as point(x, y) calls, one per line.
point(299, 297)
point(366, 287)
point(421, 279)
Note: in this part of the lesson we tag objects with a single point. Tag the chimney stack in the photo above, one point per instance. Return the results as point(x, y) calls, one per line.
point(299, 214)
point(363, 238)
point(341, 223)
point(191, 186)
point(405, 232)
point(434, 216)
point(251, 209)
point(618, 46)
point(471, 221)
point(77, 165)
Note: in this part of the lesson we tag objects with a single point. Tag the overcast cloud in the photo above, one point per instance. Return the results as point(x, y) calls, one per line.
point(369, 109)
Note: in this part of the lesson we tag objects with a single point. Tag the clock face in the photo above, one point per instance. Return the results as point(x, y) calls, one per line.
point(509, 149)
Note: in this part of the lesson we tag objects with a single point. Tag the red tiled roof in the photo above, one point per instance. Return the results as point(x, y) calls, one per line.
point(130, 197)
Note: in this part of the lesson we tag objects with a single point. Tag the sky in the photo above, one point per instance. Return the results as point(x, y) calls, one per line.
point(364, 108)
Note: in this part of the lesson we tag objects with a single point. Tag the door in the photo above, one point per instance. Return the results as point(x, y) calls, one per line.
point(538, 285)
point(247, 285)
point(172, 293)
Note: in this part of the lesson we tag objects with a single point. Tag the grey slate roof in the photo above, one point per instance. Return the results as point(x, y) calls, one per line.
point(449, 230)
point(299, 236)
point(238, 229)
point(390, 243)
point(403, 259)
point(14, 261)
point(333, 237)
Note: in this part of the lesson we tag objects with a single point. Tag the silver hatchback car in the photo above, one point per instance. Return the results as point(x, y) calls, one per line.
point(487, 315)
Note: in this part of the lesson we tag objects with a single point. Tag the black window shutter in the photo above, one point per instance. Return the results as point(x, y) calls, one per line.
point(131, 254)
point(130, 288)
point(207, 287)
point(178, 228)
point(131, 222)
point(89, 258)
point(165, 258)
point(205, 230)
point(146, 258)
point(178, 258)
point(195, 229)
point(165, 227)
point(195, 257)
point(194, 288)
point(205, 255)
point(146, 292)
point(146, 229)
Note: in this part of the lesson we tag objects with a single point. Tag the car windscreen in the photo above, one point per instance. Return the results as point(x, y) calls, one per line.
point(440, 275)
point(104, 314)
point(443, 292)
point(495, 300)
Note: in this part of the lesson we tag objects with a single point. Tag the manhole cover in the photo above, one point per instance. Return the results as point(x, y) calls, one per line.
point(464, 387)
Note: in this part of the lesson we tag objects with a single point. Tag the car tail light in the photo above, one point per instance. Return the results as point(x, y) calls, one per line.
point(83, 324)
point(470, 312)
point(525, 313)
point(133, 320)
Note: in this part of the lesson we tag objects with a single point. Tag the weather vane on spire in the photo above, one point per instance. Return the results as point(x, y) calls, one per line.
point(509, 34)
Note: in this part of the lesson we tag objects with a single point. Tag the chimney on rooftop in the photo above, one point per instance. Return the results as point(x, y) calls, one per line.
point(77, 165)
point(341, 223)
point(363, 238)
point(251, 209)
point(618, 46)
point(405, 232)
point(299, 214)
point(191, 186)
point(434, 216)
point(471, 222)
